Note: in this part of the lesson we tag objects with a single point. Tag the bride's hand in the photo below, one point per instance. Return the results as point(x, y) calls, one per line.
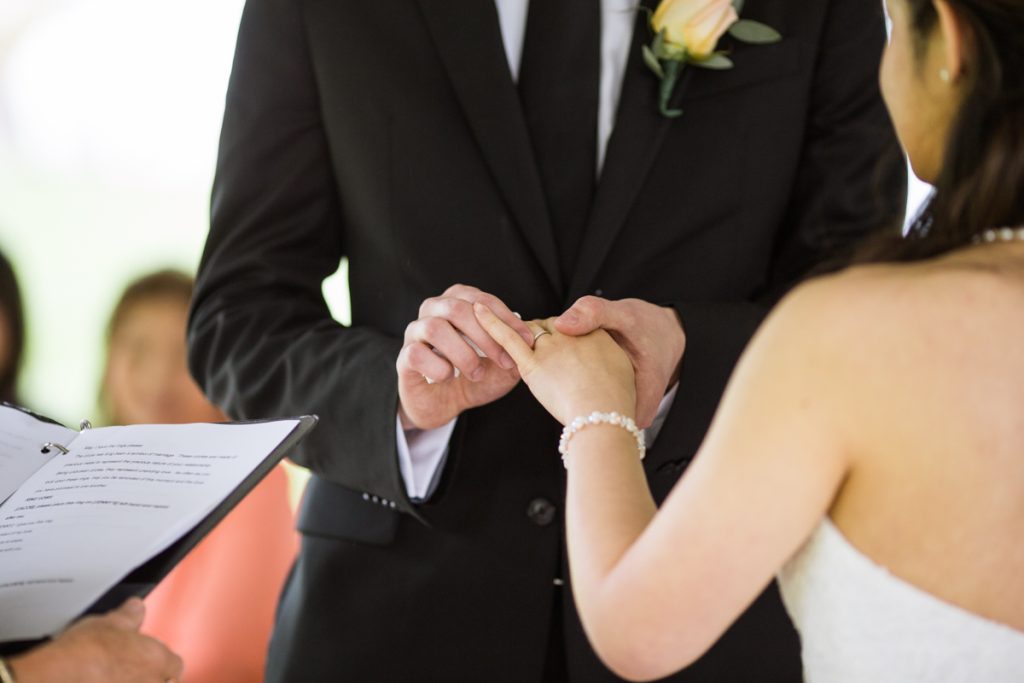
point(570, 376)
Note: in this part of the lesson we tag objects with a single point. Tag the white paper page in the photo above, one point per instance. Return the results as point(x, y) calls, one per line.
point(21, 440)
point(120, 496)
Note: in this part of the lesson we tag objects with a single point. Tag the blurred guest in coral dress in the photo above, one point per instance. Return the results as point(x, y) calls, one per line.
point(216, 608)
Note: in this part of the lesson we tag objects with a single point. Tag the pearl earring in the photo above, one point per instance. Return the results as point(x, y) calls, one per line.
point(944, 75)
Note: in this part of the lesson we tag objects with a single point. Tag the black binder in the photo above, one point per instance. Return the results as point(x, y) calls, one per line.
point(144, 578)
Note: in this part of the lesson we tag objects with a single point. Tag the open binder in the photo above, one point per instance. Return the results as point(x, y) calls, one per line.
point(180, 480)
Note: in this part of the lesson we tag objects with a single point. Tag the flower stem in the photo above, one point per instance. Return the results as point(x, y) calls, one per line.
point(673, 68)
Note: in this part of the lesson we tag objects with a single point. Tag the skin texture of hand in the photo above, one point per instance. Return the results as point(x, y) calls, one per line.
point(441, 341)
point(102, 649)
point(651, 335)
point(570, 376)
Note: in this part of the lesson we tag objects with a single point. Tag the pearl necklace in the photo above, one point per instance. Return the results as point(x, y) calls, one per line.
point(999, 235)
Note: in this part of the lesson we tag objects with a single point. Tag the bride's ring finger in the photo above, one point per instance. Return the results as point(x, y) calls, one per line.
point(537, 330)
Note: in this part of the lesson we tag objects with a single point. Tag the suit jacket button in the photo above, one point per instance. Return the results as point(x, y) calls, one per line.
point(541, 511)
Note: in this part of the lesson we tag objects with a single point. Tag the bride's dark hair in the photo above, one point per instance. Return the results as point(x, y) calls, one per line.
point(981, 184)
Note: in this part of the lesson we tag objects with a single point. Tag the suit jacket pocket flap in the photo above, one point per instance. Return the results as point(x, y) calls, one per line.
point(333, 511)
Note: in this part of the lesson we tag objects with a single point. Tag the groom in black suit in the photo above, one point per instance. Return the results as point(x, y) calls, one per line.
point(449, 154)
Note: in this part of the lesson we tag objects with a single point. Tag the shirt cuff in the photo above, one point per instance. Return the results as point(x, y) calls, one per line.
point(651, 433)
point(421, 456)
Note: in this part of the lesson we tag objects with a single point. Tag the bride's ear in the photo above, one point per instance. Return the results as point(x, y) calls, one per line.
point(952, 35)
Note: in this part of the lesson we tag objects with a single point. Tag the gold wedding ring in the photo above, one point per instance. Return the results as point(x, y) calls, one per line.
point(539, 335)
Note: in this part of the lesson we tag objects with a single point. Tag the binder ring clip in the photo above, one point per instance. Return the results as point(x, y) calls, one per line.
point(49, 445)
point(83, 425)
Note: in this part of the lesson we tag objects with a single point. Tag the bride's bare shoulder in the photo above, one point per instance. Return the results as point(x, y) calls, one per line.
point(833, 303)
point(953, 297)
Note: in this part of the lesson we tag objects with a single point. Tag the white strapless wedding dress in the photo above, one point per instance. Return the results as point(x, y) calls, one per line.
point(858, 623)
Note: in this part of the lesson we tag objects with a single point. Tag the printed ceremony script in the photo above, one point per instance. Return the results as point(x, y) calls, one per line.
point(82, 510)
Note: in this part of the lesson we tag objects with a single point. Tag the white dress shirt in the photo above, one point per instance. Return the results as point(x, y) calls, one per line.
point(422, 453)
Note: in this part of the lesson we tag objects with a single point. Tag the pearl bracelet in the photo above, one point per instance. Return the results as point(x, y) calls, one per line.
point(613, 418)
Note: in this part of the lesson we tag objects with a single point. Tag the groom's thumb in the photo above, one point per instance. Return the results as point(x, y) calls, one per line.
point(585, 316)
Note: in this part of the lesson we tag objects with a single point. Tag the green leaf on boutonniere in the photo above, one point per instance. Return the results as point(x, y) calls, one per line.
point(659, 42)
point(717, 61)
point(652, 62)
point(658, 46)
point(749, 31)
point(738, 6)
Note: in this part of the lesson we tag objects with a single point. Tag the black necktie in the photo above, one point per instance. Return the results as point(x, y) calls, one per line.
point(559, 88)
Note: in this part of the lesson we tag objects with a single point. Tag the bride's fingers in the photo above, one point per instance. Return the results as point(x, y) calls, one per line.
point(536, 329)
point(509, 339)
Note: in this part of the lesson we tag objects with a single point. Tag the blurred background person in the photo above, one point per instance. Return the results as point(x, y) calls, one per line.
point(107, 648)
point(12, 331)
point(216, 608)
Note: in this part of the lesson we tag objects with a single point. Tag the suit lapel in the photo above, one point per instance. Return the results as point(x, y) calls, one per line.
point(632, 149)
point(468, 37)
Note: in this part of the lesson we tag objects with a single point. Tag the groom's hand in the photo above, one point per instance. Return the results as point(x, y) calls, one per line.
point(651, 335)
point(439, 343)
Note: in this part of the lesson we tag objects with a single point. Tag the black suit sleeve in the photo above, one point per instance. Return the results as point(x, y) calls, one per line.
point(261, 338)
point(851, 181)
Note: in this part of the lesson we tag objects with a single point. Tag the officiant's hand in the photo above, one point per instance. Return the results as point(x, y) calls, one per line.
point(570, 376)
point(651, 335)
point(101, 649)
point(431, 393)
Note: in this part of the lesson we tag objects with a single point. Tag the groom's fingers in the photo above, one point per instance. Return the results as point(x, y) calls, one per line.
point(590, 313)
point(509, 339)
point(497, 306)
point(459, 313)
point(418, 361)
point(439, 334)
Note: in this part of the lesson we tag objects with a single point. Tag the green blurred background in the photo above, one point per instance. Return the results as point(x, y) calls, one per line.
point(109, 116)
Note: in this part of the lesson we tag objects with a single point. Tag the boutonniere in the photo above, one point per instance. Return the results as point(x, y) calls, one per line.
point(688, 31)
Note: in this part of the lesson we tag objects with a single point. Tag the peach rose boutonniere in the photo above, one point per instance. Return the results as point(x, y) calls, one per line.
point(688, 31)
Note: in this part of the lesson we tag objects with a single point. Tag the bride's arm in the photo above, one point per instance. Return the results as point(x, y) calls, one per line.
point(654, 591)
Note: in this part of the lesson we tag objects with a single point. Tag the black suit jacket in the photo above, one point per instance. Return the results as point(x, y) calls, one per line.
point(389, 133)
